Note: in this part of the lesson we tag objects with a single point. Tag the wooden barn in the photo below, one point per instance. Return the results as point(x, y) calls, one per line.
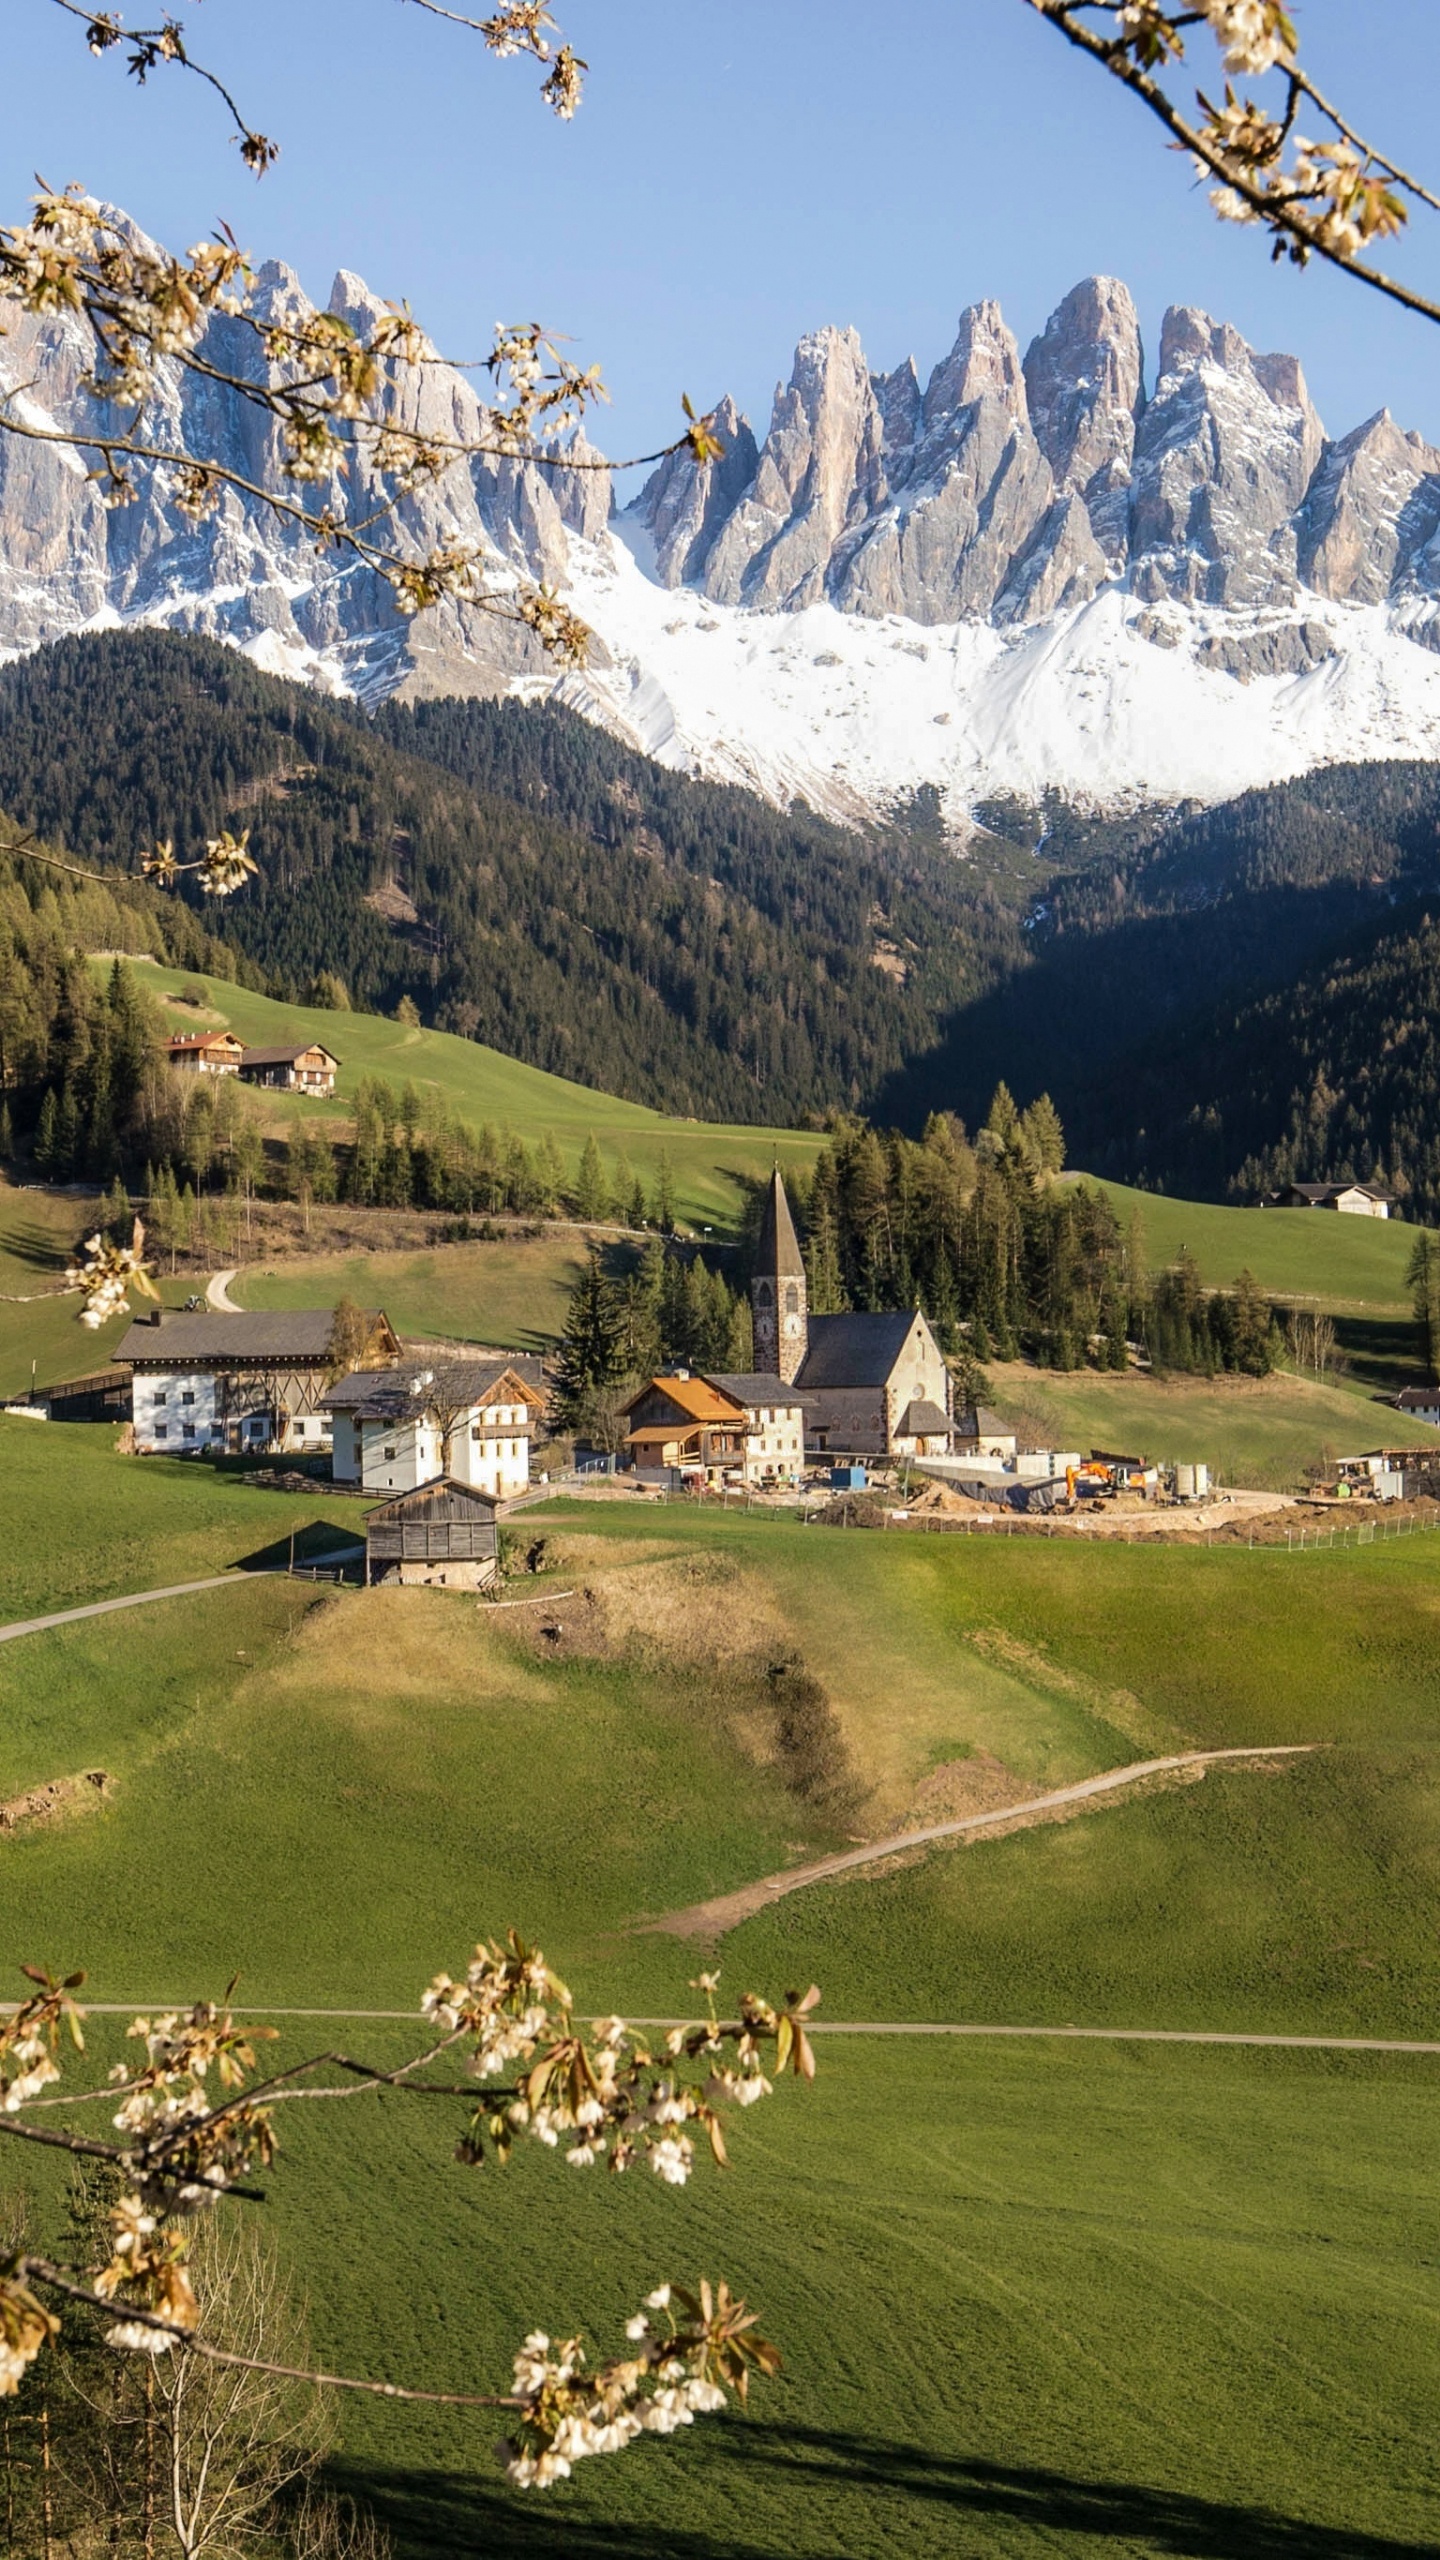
point(442, 1533)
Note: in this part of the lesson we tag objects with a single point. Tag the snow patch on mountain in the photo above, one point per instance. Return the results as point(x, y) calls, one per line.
point(1108, 704)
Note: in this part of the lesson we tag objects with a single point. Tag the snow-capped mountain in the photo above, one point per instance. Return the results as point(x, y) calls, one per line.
point(1023, 574)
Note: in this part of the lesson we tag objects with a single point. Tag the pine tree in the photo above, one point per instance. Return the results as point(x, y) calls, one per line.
point(589, 1359)
point(592, 1198)
point(664, 1196)
point(1422, 1278)
point(7, 1133)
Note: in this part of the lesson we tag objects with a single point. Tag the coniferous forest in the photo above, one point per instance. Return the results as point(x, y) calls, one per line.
point(1218, 1000)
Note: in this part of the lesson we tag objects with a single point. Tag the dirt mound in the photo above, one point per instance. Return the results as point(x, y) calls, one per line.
point(55, 1797)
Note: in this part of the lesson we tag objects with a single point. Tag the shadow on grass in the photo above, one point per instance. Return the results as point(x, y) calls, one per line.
point(1383, 1352)
point(317, 1538)
point(891, 2497)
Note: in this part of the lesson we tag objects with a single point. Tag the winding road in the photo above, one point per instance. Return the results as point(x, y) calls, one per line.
point(726, 1910)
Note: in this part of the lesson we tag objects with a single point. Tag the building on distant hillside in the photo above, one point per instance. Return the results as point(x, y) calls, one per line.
point(442, 1533)
point(693, 1424)
point(206, 1053)
point(395, 1429)
point(979, 1433)
point(302, 1068)
point(870, 1385)
point(1422, 1403)
point(774, 1451)
point(248, 1382)
point(1352, 1199)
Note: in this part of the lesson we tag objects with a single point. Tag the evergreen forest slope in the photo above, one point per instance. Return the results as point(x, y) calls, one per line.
point(1217, 1000)
point(554, 895)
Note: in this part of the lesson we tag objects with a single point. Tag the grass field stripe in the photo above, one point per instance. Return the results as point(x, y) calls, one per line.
point(846, 2027)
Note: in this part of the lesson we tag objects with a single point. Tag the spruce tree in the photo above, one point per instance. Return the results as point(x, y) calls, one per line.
point(592, 1197)
point(589, 1359)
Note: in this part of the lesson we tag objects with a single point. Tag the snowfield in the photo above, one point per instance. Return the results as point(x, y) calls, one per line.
point(851, 713)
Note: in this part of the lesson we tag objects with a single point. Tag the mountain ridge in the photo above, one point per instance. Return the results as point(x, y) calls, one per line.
point(1023, 574)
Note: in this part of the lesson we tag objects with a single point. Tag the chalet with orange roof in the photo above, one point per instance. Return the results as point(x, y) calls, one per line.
point(206, 1053)
point(687, 1423)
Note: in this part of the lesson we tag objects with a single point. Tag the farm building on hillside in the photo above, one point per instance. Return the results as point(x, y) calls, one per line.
point(677, 1420)
point(302, 1068)
point(1423, 1403)
point(206, 1053)
point(246, 1382)
point(746, 1428)
point(1353, 1199)
point(394, 1430)
point(441, 1533)
point(869, 1385)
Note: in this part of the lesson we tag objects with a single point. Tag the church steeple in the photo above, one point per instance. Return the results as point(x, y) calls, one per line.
point(778, 1291)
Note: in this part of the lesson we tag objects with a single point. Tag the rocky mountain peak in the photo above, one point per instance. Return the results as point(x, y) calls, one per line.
point(1084, 379)
point(984, 363)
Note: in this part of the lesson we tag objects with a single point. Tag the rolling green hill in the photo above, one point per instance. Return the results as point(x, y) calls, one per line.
point(1307, 1257)
point(1037, 2298)
point(479, 1085)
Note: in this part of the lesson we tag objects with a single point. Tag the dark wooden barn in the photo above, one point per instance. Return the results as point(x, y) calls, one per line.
point(443, 1533)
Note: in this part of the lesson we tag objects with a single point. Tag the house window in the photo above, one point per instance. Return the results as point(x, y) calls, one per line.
point(160, 1396)
point(161, 1428)
point(187, 1395)
point(390, 1452)
point(475, 1431)
point(189, 1430)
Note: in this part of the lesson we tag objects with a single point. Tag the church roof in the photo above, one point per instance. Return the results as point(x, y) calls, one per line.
point(853, 1351)
point(777, 1252)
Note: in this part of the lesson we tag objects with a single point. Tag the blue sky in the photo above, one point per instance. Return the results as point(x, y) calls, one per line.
point(738, 174)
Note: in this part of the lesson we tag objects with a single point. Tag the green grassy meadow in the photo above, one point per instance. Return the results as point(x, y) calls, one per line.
point(513, 1293)
point(1311, 1257)
point(479, 1085)
point(1037, 2297)
point(1250, 1431)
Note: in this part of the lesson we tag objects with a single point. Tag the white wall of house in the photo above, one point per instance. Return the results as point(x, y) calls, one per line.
point(345, 1448)
point(490, 1449)
point(1359, 1204)
point(176, 1409)
point(774, 1442)
point(397, 1456)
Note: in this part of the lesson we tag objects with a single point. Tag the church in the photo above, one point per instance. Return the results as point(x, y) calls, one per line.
point(870, 1386)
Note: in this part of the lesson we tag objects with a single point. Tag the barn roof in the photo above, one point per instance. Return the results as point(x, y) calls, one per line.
point(286, 1055)
point(853, 1351)
point(443, 1499)
point(296, 1333)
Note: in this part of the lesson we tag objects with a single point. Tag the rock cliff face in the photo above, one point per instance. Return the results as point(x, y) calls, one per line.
point(1019, 572)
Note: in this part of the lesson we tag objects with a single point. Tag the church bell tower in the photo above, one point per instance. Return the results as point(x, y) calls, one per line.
point(778, 1293)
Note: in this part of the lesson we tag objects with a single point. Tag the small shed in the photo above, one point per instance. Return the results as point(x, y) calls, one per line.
point(442, 1533)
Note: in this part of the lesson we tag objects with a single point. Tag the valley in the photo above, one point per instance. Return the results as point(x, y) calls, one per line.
point(719, 1271)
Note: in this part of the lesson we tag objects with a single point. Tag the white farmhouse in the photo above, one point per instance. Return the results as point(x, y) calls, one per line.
point(249, 1382)
point(774, 1426)
point(471, 1420)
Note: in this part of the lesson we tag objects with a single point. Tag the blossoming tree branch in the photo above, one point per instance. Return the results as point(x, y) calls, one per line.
point(1290, 160)
point(194, 2119)
point(339, 396)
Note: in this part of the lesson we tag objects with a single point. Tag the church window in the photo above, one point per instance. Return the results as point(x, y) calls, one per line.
point(792, 1300)
point(762, 1293)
